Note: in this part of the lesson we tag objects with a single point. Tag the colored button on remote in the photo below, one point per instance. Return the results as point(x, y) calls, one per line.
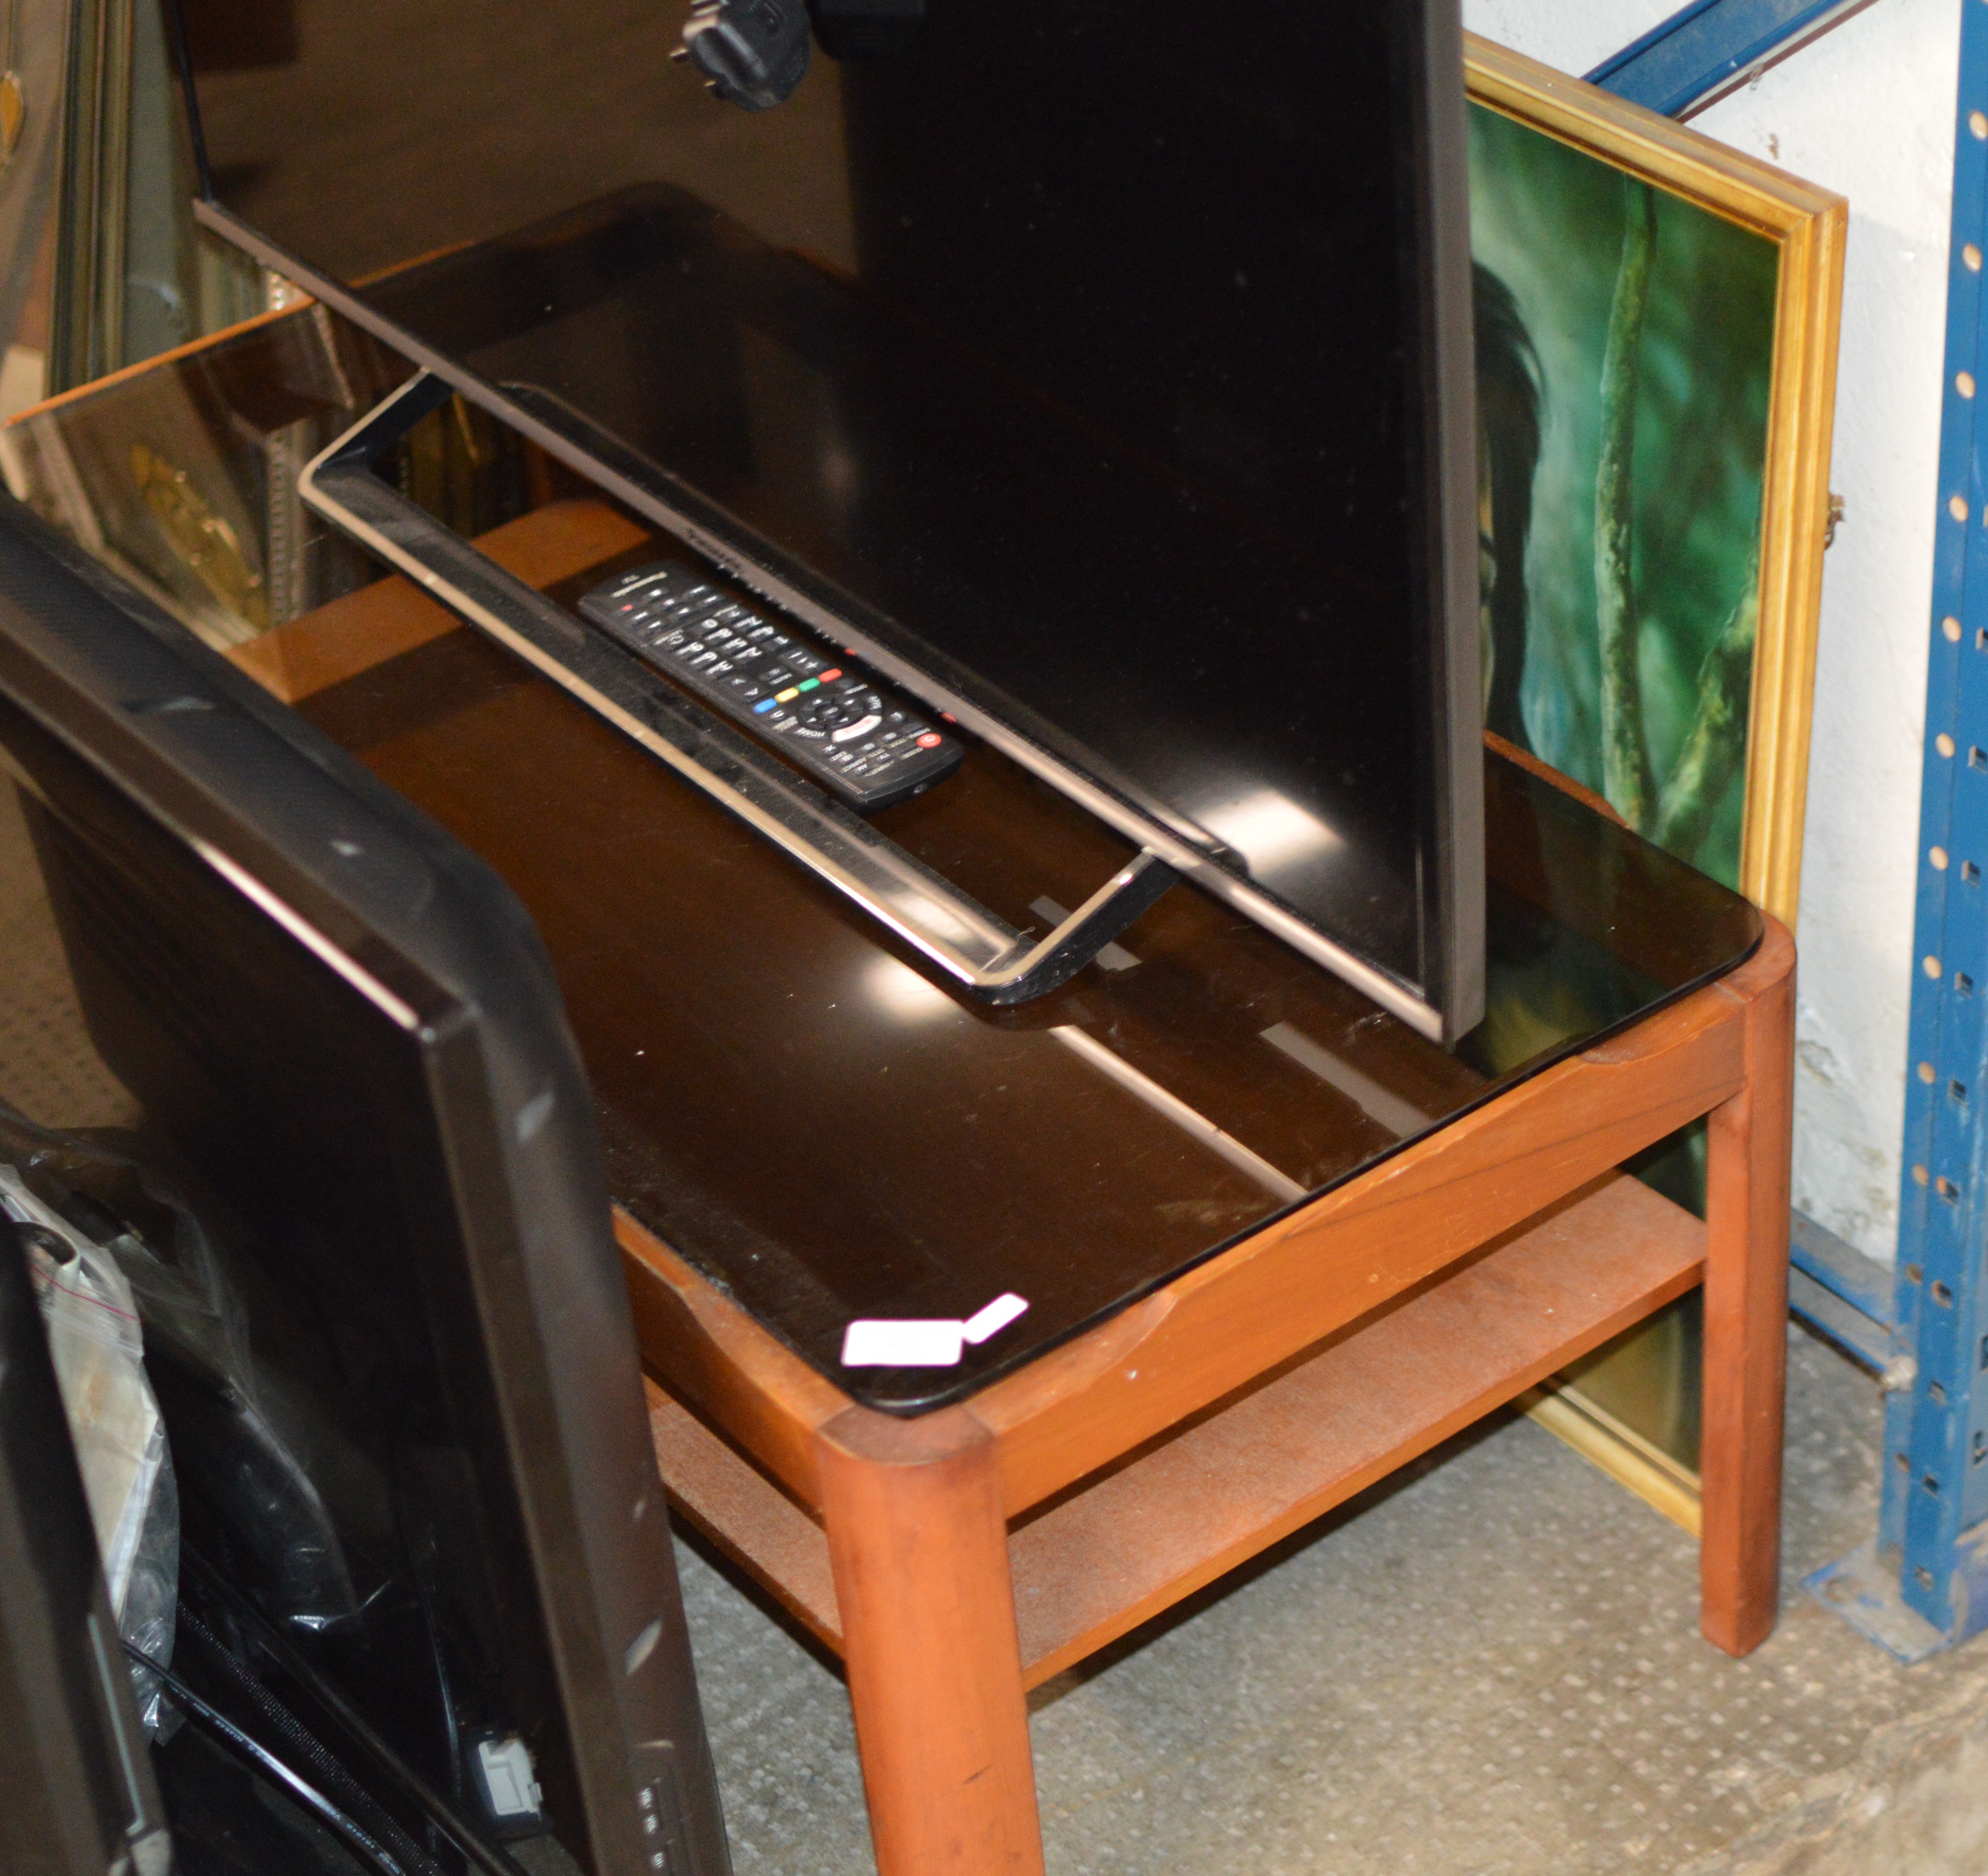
point(727, 654)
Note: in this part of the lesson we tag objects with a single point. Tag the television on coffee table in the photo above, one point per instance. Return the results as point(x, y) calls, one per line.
point(1098, 373)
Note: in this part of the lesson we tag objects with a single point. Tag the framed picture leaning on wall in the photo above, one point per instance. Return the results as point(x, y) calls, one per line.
point(1656, 329)
point(1657, 326)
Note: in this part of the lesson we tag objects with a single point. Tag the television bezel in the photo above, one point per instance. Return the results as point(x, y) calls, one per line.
point(437, 945)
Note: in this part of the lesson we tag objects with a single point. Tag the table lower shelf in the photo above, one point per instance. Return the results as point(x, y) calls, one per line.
point(1121, 1546)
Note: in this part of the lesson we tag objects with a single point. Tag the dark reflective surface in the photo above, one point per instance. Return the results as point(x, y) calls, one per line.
point(341, 1149)
point(1086, 355)
point(332, 1458)
point(828, 1132)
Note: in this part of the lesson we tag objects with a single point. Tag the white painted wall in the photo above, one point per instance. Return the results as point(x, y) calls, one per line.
point(1867, 110)
point(1574, 35)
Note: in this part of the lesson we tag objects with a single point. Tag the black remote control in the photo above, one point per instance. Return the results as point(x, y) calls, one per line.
point(836, 723)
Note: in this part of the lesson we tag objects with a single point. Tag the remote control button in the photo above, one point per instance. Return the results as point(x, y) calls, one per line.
point(825, 714)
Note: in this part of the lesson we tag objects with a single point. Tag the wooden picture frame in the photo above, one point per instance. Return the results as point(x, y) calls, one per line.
point(1806, 226)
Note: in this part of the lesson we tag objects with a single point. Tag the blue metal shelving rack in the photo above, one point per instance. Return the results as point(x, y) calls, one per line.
point(1922, 1584)
point(1706, 49)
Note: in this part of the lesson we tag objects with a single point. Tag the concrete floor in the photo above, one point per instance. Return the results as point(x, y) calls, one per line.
point(1491, 1664)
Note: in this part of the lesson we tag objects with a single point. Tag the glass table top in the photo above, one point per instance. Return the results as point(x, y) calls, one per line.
point(805, 1111)
point(792, 1100)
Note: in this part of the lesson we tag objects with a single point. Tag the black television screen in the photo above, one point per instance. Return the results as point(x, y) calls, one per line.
point(1100, 370)
point(385, 1317)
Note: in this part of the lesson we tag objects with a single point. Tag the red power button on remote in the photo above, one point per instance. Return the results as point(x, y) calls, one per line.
point(930, 740)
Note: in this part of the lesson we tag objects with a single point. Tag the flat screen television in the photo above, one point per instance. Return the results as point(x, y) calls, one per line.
point(1100, 371)
point(394, 1362)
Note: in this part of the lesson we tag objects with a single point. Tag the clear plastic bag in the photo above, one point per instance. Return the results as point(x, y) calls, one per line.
point(249, 1446)
point(95, 1339)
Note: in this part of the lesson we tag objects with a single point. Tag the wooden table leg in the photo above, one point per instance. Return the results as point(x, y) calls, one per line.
point(1745, 1312)
point(920, 1553)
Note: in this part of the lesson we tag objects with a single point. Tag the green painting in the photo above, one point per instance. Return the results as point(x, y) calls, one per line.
point(1625, 343)
point(1625, 351)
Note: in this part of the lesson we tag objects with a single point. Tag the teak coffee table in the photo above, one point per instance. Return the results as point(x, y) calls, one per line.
point(1273, 1244)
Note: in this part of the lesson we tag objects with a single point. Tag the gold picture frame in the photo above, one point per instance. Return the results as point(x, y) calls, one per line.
point(1807, 224)
point(1632, 1411)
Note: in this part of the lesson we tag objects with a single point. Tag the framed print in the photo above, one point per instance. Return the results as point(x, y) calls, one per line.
point(1656, 332)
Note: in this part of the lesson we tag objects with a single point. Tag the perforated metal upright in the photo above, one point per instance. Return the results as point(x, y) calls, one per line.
point(1925, 1585)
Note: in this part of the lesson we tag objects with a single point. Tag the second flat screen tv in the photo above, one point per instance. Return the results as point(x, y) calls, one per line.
point(1099, 370)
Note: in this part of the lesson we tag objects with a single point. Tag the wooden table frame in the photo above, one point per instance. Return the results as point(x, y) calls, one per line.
point(956, 1560)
